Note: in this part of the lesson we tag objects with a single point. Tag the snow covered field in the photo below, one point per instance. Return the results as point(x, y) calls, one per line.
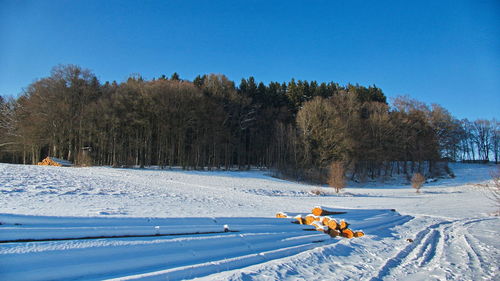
point(454, 235)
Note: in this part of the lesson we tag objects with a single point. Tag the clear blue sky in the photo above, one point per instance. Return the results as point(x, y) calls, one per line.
point(445, 52)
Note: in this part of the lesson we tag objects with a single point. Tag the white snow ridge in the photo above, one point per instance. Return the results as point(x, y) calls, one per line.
point(97, 223)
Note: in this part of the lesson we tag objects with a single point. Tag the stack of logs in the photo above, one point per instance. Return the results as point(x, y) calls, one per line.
point(49, 162)
point(321, 219)
point(52, 161)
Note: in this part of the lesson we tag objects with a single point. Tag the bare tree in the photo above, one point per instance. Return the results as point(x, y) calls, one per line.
point(336, 178)
point(482, 132)
point(495, 139)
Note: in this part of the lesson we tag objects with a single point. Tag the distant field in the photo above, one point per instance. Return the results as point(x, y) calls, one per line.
point(454, 237)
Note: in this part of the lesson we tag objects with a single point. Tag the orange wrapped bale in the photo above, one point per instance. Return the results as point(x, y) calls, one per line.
point(347, 233)
point(358, 234)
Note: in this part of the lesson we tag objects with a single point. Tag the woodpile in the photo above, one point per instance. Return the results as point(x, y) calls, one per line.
point(343, 225)
point(52, 161)
point(324, 211)
point(347, 233)
point(281, 215)
point(358, 233)
point(300, 219)
point(325, 220)
point(321, 218)
point(332, 224)
point(310, 219)
point(334, 233)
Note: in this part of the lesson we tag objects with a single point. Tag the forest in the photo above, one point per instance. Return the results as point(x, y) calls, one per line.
point(297, 127)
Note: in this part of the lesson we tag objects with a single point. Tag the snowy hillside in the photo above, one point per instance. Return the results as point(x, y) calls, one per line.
point(454, 237)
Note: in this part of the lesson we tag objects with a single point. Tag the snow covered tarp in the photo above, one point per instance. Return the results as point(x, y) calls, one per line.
point(168, 248)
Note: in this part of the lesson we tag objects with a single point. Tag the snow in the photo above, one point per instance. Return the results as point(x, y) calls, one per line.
point(100, 222)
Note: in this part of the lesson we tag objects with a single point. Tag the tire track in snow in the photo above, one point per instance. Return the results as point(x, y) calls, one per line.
point(411, 254)
point(434, 251)
point(482, 264)
point(473, 257)
point(429, 249)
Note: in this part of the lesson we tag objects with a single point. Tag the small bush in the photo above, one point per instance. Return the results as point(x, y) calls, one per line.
point(417, 181)
point(336, 176)
point(494, 190)
point(496, 178)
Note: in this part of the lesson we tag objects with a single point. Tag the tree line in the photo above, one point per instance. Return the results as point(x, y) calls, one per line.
point(296, 127)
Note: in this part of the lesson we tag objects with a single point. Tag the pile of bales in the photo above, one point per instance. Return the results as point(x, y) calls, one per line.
point(322, 219)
